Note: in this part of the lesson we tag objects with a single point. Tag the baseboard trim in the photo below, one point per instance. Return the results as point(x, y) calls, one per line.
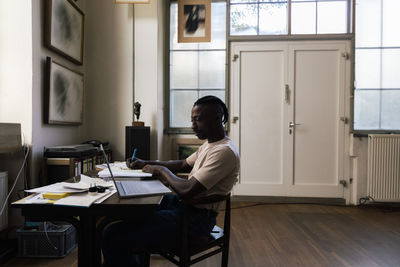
point(290, 200)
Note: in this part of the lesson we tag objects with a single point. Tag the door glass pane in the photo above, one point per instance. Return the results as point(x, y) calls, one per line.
point(368, 68)
point(303, 18)
point(273, 19)
point(368, 23)
point(218, 28)
point(243, 19)
point(212, 69)
point(181, 107)
point(173, 32)
point(391, 22)
point(332, 17)
point(366, 109)
point(184, 70)
point(390, 110)
point(391, 68)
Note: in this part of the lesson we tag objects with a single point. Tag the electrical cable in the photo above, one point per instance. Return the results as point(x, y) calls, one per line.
point(47, 236)
point(16, 180)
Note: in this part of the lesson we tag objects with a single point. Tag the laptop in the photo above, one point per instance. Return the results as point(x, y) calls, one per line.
point(136, 188)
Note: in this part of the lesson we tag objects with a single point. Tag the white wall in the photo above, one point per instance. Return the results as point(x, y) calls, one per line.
point(44, 134)
point(359, 164)
point(16, 64)
point(109, 72)
point(147, 77)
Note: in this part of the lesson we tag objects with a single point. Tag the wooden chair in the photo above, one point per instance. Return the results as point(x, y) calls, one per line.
point(192, 251)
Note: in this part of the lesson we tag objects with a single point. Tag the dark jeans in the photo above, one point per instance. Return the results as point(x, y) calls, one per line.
point(160, 230)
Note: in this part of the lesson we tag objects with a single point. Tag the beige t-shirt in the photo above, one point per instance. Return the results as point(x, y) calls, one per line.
point(216, 166)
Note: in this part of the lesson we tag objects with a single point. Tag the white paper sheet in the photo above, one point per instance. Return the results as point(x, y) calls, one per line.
point(86, 182)
point(119, 169)
point(54, 188)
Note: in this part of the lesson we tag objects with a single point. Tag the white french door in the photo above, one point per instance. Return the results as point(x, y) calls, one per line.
point(288, 105)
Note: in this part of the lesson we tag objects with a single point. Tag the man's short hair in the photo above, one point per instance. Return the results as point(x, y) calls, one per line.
point(210, 99)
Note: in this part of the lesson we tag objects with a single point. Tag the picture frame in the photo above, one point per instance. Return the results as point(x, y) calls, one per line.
point(64, 94)
point(132, 1)
point(194, 21)
point(184, 147)
point(64, 32)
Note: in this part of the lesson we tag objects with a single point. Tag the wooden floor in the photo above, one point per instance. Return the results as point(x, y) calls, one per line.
point(296, 235)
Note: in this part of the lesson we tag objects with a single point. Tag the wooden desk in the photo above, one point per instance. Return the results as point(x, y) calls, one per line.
point(89, 222)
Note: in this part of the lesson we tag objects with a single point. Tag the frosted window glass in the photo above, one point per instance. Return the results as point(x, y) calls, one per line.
point(368, 23)
point(184, 70)
point(273, 19)
point(332, 17)
point(243, 19)
point(242, 1)
point(391, 22)
point(391, 68)
point(303, 18)
point(181, 107)
point(218, 93)
point(212, 69)
point(173, 32)
point(367, 68)
point(218, 28)
point(366, 109)
point(390, 110)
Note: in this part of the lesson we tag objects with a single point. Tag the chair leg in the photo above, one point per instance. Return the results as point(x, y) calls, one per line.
point(184, 261)
point(225, 256)
point(146, 259)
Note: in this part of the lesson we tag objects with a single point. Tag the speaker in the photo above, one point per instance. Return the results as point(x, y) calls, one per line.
point(137, 137)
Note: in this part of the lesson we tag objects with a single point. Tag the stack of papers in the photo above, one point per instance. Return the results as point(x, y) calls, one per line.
point(119, 169)
point(78, 195)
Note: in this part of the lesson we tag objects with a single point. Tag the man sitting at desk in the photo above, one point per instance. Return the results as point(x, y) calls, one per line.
point(213, 171)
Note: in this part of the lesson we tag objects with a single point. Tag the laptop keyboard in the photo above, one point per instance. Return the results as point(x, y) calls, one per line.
point(141, 187)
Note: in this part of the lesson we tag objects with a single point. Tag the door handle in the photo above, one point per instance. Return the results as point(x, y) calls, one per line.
point(235, 119)
point(292, 124)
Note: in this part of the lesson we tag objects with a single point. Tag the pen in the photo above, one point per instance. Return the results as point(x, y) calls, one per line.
point(134, 154)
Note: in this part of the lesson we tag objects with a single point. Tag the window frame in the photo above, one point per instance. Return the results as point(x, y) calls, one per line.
point(167, 100)
point(289, 35)
point(365, 132)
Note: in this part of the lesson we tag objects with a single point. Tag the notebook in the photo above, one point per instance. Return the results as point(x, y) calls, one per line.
point(129, 189)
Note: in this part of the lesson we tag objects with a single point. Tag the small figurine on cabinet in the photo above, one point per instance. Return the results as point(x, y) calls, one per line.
point(136, 112)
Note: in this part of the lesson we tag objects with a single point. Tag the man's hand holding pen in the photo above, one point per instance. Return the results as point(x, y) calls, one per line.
point(135, 163)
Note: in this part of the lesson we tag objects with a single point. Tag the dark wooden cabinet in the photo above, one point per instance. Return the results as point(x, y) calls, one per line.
point(137, 137)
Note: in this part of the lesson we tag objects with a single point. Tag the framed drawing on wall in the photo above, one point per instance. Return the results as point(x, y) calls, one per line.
point(194, 21)
point(64, 94)
point(64, 29)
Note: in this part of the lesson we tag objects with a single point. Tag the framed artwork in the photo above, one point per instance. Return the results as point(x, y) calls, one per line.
point(132, 1)
point(64, 29)
point(184, 147)
point(194, 21)
point(64, 96)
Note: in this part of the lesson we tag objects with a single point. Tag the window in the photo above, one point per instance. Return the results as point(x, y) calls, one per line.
point(377, 64)
point(195, 69)
point(270, 17)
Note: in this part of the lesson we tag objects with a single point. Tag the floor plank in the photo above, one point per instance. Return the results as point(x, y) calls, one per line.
point(295, 235)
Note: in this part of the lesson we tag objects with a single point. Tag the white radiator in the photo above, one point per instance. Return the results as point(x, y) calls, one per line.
point(3, 196)
point(383, 174)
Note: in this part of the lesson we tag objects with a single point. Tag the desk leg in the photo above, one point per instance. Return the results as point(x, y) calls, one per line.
point(87, 248)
